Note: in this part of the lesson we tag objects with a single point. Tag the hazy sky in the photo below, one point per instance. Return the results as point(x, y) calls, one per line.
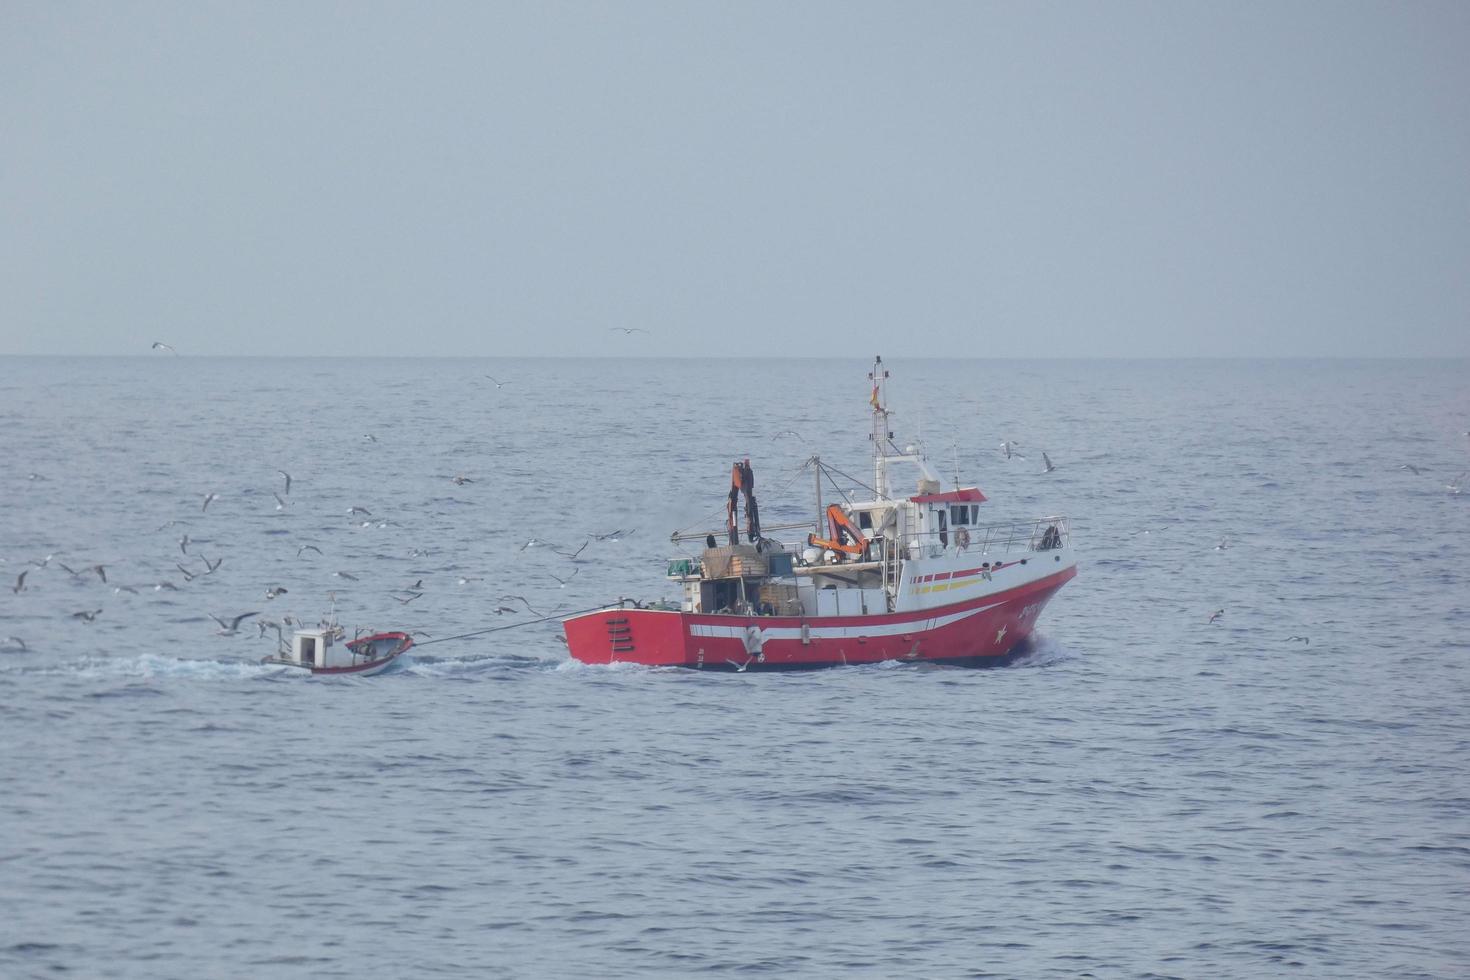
point(799, 178)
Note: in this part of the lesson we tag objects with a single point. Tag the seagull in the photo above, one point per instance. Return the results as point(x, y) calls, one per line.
point(1009, 448)
point(1216, 615)
point(1455, 486)
point(165, 585)
point(530, 544)
point(629, 331)
point(564, 581)
point(369, 437)
point(280, 504)
point(69, 570)
point(359, 510)
point(411, 597)
point(208, 497)
point(43, 562)
point(788, 432)
point(609, 534)
point(14, 641)
point(211, 565)
point(88, 616)
point(1224, 543)
point(101, 571)
point(160, 345)
point(1411, 468)
point(498, 384)
point(165, 526)
point(307, 547)
point(288, 481)
point(188, 575)
point(230, 628)
point(274, 590)
point(1299, 639)
point(573, 555)
point(1046, 461)
point(124, 588)
point(184, 544)
point(502, 610)
point(460, 481)
point(522, 599)
point(20, 583)
point(415, 587)
point(347, 575)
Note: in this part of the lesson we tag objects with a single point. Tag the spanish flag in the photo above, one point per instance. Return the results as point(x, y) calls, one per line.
point(874, 400)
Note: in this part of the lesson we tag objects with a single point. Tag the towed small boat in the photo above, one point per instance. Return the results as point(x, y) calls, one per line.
point(322, 651)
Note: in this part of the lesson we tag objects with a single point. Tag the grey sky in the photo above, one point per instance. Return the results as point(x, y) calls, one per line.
point(942, 179)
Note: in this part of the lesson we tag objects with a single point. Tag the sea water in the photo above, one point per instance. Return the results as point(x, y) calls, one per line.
point(1285, 790)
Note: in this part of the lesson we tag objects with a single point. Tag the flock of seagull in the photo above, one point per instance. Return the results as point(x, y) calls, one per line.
point(192, 565)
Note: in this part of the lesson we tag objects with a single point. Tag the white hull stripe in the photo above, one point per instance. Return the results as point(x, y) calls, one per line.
point(841, 632)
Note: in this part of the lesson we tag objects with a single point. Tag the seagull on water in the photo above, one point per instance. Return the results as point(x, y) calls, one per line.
point(233, 626)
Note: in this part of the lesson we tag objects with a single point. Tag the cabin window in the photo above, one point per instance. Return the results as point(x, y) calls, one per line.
point(865, 520)
point(943, 530)
point(308, 650)
point(959, 514)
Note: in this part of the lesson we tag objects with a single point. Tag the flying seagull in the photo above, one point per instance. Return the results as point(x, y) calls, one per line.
point(359, 510)
point(230, 628)
point(1299, 639)
point(563, 581)
point(1216, 615)
point(307, 547)
point(347, 575)
point(14, 641)
point(20, 583)
point(211, 565)
point(498, 384)
point(573, 555)
point(288, 481)
point(1009, 448)
point(1046, 461)
point(629, 331)
point(160, 345)
point(1411, 468)
point(280, 503)
point(184, 544)
point(275, 590)
point(208, 498)
point(460, 481)
point(87, 616)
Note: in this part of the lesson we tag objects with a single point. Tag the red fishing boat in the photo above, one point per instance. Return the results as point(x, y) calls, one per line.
point(918, 577)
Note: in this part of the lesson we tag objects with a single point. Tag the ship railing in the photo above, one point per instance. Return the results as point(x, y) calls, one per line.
point(1040, 534)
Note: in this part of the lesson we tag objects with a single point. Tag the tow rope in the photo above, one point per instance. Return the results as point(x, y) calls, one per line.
point(511, 626)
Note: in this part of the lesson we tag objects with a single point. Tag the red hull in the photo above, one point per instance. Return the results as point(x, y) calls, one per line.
point(983, 629)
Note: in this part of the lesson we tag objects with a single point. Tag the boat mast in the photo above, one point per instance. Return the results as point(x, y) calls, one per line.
point(880, 434)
